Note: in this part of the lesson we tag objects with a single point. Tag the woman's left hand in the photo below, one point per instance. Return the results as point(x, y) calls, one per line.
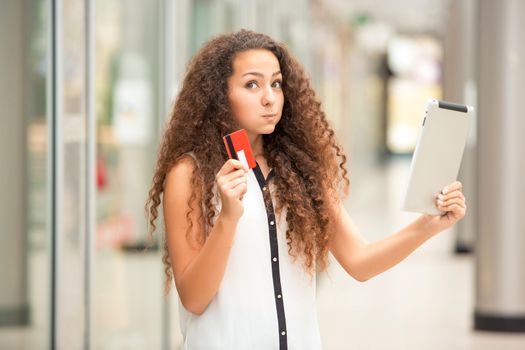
point(451, 202)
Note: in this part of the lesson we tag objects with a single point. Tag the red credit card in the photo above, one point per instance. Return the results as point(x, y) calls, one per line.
point(238, 147)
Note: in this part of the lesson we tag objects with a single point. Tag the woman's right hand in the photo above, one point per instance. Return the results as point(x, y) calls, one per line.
point(231, 182)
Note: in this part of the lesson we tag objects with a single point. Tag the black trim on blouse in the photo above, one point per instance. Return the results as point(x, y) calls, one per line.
point(277, 289)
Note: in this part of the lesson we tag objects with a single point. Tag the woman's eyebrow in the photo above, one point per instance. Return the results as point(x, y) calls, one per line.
point(260, 74)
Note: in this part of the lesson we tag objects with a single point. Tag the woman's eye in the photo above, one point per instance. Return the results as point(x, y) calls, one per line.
point(251, 85)
point(278, 84)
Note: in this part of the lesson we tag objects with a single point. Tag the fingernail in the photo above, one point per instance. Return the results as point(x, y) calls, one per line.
point(445, 190)
point(441, 196)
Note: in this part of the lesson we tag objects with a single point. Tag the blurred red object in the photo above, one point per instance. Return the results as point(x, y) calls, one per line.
point(102, 177)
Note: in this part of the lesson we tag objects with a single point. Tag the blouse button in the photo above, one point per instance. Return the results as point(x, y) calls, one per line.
point(274, 259)
point(272, 223)
point(279, 296)
point(264, 188)
point(283, 332)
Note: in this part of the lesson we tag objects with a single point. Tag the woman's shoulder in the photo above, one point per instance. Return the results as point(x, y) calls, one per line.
point(183, 168)
point(188, 159)
point(191, 154)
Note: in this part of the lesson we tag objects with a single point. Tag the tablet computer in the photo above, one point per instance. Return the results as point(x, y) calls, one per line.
point(437, 156)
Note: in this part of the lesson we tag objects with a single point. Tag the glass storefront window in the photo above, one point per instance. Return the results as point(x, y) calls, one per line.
point(24, 186)
point(416, 65)
point(127, 278)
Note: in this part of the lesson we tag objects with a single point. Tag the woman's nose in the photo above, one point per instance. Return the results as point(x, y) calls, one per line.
point(268, 98)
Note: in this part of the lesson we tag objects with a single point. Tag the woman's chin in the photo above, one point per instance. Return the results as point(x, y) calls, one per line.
point(267, 129)
point(261, 130)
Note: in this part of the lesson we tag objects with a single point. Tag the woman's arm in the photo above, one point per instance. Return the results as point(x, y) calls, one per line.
point(363, 260)
point(198, 269)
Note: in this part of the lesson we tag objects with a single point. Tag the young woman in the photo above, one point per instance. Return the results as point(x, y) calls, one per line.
point(244, 245)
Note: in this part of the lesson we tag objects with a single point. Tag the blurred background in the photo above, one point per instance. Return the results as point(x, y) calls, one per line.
point(85, 90)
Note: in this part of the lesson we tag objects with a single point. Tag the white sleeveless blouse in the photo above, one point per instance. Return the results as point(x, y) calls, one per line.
point(266, 300)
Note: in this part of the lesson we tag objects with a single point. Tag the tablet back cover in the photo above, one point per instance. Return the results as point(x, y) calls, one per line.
point(437, 156)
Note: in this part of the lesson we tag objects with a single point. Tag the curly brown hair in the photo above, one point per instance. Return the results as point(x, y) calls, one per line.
point(308, 163)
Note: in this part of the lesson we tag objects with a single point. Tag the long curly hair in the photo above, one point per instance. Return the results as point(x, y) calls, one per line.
point(308, 163)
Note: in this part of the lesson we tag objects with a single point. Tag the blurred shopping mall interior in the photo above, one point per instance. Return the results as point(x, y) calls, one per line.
point(85, 91)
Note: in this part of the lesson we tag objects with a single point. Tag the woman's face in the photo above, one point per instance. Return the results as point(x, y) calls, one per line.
point(255, 91)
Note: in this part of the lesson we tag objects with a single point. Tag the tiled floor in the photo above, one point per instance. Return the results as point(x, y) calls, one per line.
point(425, 302)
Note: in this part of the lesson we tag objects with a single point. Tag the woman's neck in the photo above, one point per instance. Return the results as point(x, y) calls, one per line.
point(256, 142)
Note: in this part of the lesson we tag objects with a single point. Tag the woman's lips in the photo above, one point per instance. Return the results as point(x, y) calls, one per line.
point(270, 118)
